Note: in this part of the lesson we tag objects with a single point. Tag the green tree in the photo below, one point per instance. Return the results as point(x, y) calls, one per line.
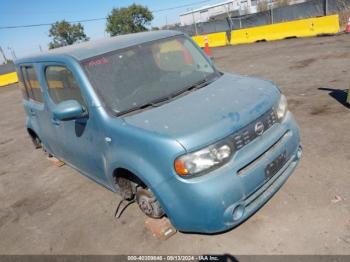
point(8, 61)
point(130, 19)
point(64, 33)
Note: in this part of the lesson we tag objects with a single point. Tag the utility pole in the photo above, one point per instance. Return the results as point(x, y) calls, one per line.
point(194, 21)
point(3, 55)
point(271, 12)
point(228, 15)
point(12, 52)
point(325, 7)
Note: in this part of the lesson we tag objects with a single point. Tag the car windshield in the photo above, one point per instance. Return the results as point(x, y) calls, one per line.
point(131, 78)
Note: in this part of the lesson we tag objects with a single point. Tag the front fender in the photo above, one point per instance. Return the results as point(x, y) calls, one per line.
point(139, 167)
point(150, 176)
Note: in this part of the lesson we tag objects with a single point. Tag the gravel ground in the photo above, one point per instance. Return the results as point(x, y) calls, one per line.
point(53, 210)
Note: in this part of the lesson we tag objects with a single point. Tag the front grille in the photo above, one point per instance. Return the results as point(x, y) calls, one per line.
point(248, 133)
point(250, 165)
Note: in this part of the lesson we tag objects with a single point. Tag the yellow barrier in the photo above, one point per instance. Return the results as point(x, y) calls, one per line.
point(299, 28)
point(327, 25)
point(199, 39)
point(214, 40)
point(9, 78)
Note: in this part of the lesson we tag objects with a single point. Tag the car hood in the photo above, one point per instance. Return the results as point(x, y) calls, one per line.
point(210, 113)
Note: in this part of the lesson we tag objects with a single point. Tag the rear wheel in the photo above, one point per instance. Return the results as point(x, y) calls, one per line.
point(35, 139)
point(37, 142)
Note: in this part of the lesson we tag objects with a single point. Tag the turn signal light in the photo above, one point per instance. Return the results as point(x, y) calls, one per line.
point(180, 168)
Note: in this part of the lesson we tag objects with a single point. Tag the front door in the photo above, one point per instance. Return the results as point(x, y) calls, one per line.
point(78, 138)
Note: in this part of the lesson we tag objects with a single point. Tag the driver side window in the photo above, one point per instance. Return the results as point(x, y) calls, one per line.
point(62, 85)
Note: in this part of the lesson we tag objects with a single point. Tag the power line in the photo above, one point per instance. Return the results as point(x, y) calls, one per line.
point(102, 18)
point(47, 24)
point(181, 6)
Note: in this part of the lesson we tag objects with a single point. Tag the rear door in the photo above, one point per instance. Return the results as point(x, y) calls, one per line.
point(36, 107)
point(33, 103)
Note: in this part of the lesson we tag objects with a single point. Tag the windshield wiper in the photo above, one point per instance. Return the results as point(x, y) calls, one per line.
point(153, 103)
point(160, 101)
point(202, 83)
point(195, 86)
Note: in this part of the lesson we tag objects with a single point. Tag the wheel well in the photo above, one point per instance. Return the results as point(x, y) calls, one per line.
point(32, 133)
point(131, 188)
point(35, 138)
point(122, 172)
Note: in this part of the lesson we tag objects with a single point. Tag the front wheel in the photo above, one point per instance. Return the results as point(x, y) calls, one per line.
point(132, 188)
point(148, 203)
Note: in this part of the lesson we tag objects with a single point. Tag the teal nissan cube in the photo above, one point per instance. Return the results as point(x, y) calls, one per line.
point(150, 117)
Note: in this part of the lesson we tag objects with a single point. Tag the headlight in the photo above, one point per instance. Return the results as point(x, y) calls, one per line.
point(282, 108)
point(205, 159)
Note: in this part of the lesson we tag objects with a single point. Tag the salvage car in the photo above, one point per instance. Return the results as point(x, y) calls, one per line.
point(149, 116)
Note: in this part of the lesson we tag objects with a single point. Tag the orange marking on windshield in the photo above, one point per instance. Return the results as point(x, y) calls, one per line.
point(100, 61)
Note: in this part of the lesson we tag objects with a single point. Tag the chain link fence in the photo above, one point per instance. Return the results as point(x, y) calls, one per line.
point(7, 68)
point(222, 23)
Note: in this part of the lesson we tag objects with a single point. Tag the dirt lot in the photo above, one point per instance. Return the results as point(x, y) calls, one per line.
point(46, 209)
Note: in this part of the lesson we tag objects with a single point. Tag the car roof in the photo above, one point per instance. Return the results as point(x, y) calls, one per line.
point(85, 50)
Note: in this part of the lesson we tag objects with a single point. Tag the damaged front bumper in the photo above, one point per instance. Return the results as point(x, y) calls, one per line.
point(224, 198)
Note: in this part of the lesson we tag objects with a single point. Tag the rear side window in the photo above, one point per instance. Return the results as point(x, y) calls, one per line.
point(31, 83)
point(62, 85)
point(22, 86)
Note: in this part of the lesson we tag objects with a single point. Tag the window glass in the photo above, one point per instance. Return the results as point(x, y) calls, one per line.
point(130, 78)
point(21, 85)
point(62, 85)
point(172, 56)
point(31, 83)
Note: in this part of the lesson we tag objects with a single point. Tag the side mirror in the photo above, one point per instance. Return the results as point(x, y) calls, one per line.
point(68, 110)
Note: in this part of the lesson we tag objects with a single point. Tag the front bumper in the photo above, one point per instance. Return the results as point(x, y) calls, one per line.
point(265, 192)
point(227, 196)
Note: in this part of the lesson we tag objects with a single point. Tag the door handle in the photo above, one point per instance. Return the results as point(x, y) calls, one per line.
point(55, 122)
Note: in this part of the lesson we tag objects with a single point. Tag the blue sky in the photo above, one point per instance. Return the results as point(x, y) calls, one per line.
point(23, 12)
